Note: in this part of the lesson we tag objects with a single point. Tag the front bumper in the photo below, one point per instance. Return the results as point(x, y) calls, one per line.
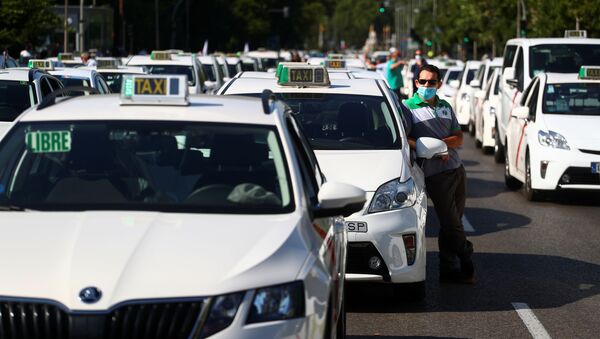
point(574, 163)
point(384, 238)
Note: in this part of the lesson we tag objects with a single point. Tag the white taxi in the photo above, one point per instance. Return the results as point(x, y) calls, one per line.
point(465, 93)
point(164, 62)
point(21, 88)
point(197, 217)
point(488, 102)
point(552, 135)
point(113, 73)
point(357, 133)
point(81, 77)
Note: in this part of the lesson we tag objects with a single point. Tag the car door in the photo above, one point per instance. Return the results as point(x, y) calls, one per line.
point(517, 136)
point(331, 230)
point(528, 125)
point(508, 92)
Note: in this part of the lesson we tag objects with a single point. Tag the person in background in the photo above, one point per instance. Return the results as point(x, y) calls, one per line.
point(85, 57)
point(393, 72)
point(419, 62)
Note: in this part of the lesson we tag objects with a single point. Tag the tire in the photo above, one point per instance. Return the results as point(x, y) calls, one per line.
point(471, 127)
point(511, 182)
point(530, 193)
point(487, 150)
point(410, 292)
point(478, 143)
point(498, 148)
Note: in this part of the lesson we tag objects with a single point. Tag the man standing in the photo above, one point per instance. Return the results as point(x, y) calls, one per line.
point(419, 62)
point(87, 61)
point(430, 116)
point(393, 72)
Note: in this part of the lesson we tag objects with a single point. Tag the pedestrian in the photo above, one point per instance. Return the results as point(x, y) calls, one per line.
point(25, 55)
point(419, 62)
point(85, 58)
point(429, 116)
point(393, 72)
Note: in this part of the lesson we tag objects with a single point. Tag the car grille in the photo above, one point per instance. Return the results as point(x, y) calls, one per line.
point(32, 320)
point(580, 176)
point(358, 257)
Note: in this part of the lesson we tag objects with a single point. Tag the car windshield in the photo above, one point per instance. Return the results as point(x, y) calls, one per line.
point(174, 69)
point(210, 72)
point(269, 63)
point(113, 80)
point(562, 58)
point(572, 98)
point(248, 66)
point(15, 97)
point(345, 121)
point(145, 165)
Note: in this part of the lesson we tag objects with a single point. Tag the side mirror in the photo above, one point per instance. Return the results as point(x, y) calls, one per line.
point(210, 84)
point(480, 95)
point(337, 198)
point(521, 112)
point(475, 83)
point(225, 79)
point(509, 76)
point(454, 83)
point(428, 148)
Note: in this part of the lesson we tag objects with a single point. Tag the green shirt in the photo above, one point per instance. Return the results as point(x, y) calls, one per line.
point(394, 76)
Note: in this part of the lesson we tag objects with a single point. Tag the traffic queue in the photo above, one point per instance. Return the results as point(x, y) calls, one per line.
point(232, 196)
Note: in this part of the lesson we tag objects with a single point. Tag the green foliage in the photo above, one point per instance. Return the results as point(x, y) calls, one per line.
point(26, 21)
point(352, 19)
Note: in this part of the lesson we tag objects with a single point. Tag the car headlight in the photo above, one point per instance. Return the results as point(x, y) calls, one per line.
point(277, 303)
point(394, 195)
point(465, 97)
point(492, 111)
point(222, 312)
point(553, 139)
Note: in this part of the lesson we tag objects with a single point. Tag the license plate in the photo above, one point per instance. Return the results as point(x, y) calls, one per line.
point(356, 226)
point(596, 167)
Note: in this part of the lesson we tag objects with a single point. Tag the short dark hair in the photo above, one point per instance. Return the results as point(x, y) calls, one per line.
point(430, 68)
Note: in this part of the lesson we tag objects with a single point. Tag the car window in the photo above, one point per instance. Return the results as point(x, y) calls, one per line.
point(209, 71)
point(145, 165)
point(580, 98)
point(519, 71)
point(453, 75)
point(15, 97)
point(509, 56)
point(497, 85)
point(174, 69)
point(114, 81)
point(311, 186)
point(562, 58)
point(533, 99)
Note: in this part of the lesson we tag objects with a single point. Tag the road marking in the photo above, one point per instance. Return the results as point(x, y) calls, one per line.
point(467, 225)
point(533, 324)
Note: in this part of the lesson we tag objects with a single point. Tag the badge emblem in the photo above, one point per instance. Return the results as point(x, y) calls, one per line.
point(90, 295)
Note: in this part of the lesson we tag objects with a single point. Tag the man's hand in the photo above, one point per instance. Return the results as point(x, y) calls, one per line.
point(455, 140)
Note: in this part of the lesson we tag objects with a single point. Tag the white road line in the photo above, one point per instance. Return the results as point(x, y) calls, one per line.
point(533, 324)
point(467, 225)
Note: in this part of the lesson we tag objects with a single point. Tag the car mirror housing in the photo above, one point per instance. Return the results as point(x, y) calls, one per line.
point(521, 112)
point(337, 198)
point(428, 148)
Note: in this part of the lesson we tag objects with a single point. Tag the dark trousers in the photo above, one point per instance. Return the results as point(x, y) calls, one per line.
point(447, 190)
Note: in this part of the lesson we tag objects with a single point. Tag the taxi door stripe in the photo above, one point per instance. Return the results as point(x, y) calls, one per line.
point(520, 143)
point(320, 231)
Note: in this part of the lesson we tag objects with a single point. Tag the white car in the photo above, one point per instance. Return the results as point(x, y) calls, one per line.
point(485, 113)
point(164, 62)
point(357, 133)
point(450, 85)
point(113, 73)
point(267, 60)
point(215, 78)
point(21, 88)
point(170, 217)
point(81, 77)
point(525, 58)
point(552, 135)
point(465, 93)
point(482, 77)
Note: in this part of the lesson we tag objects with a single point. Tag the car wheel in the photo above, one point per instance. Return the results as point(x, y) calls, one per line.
point(410, 292)
point(498, 148)
point(530, 193)
point(471, 128)
point(511, 182)
point(478, 143)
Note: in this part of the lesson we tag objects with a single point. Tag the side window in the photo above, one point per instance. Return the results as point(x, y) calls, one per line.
point(45, 87)
point(533, 100)
point(509, 56)
point(309, 181)
point(497, 85)
point(480, 74)
point(525, 95)
point(55, 84)
point(519, 70)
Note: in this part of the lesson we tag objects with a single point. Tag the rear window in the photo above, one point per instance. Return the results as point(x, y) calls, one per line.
point(15, 97)
point(562, 58)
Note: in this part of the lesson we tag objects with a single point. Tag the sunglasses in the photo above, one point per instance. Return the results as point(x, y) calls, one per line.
point(431, 82)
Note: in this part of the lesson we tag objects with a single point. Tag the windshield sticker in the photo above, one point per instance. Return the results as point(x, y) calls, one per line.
point(48, 141)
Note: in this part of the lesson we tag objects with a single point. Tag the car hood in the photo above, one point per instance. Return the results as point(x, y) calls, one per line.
point(365, 169)
point(581, 131)
point(141, 255)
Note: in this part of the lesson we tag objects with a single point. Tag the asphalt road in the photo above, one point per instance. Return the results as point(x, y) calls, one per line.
point(545, 255)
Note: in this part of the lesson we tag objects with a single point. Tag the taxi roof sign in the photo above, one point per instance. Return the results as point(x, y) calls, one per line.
point(304, 76)
point(334, 63)
point(154, 90)
point(40, 64)
point(576, 33)
point(160, 55)
point(107, 63)
point(65, 56)
point(589, 72)
point(281, 65)
point(335, 56)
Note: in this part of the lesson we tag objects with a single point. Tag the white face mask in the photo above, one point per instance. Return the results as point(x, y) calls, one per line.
point(418, 57)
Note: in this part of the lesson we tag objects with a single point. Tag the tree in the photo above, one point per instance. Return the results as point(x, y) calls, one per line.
point(25, 21)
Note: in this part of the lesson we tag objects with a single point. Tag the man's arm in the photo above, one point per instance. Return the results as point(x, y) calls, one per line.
point(455, 140)
point(412, 143)
point(397, 64)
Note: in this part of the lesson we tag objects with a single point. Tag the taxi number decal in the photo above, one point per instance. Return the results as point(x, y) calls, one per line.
point(48, 141)
point(38, 64)
point(150, 86)
point(596, 167)
point(301, 75)
point(356, 226)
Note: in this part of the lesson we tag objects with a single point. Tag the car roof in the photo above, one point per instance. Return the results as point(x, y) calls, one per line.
point(557, 78)
point(263, 54)
point(142, 60)
point(471, 64)
point(120, 69)
point(74, 72)
point(202, 108)
point(15, 74)
point(541, 41)
point(338, 86)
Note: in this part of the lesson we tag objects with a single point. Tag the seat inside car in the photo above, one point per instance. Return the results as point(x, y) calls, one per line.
point(353, 120)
